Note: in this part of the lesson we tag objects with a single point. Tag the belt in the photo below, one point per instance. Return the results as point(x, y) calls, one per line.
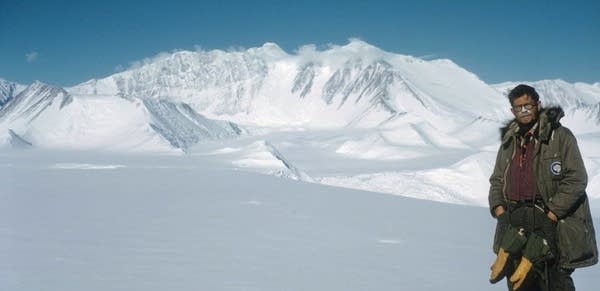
point(537, 203)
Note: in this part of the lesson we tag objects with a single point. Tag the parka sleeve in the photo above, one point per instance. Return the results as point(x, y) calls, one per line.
point(495, 196)
point(572, 185)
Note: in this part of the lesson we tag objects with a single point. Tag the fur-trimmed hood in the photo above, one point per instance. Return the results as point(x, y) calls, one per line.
point(548, 120)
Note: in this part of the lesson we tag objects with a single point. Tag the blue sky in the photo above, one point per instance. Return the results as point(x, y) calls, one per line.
point(68, 42)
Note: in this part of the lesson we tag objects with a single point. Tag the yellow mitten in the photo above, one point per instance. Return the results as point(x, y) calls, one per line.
point(498, 266)
point(536, 249)
point(512, 242)
point(518, 277)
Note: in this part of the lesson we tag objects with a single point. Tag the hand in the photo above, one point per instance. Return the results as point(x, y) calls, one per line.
point(499, 210)
point(552, 216)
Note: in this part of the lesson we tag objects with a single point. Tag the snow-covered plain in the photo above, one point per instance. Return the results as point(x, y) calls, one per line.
point(93, 221)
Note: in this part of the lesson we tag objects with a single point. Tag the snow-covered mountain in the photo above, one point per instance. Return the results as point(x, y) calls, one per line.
point(33, 101)
point(352, 116)
point(8, 90)
point(356, 85)
point(182, 127)
point(348, 85)
point(48, 116)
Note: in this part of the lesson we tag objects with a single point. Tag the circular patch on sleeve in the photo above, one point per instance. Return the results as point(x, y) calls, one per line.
point(556, 168)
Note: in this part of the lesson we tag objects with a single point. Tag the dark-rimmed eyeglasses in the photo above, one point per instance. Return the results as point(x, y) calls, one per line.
point(527, 106)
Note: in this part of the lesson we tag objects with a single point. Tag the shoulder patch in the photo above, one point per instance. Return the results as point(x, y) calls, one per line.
point(556, 168)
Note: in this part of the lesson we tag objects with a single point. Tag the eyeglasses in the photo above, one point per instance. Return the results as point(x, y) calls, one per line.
point(527, 106)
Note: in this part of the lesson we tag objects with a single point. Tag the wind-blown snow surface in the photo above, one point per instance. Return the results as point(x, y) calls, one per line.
point(96, 222)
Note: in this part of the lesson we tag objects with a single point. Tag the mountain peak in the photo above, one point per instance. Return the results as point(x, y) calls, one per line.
point(271, 46)
point(359, 48)
point(269, 50)
point(38, 84)
point(358, 44)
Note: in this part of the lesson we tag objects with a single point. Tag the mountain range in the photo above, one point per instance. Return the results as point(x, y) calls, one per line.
point(353, 116)
point(175, 100)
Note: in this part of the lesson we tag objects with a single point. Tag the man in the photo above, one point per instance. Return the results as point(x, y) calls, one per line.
point(537, 193)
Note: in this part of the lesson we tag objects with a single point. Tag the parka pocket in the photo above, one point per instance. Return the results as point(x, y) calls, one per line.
point(575, 241)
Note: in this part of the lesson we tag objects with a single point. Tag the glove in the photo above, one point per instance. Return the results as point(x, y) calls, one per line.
point(511, 243)
point(536, 249)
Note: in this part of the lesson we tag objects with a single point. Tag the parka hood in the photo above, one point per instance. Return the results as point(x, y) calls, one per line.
point(548, 120)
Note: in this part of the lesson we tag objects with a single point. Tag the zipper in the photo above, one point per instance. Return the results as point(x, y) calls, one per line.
point(508, 162)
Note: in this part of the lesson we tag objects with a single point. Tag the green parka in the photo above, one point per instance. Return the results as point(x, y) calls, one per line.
point(561, 178)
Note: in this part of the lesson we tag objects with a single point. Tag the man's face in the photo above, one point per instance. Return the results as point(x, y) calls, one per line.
point(525, 109)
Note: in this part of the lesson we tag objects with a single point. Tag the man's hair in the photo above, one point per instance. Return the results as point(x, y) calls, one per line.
point(521, 90)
